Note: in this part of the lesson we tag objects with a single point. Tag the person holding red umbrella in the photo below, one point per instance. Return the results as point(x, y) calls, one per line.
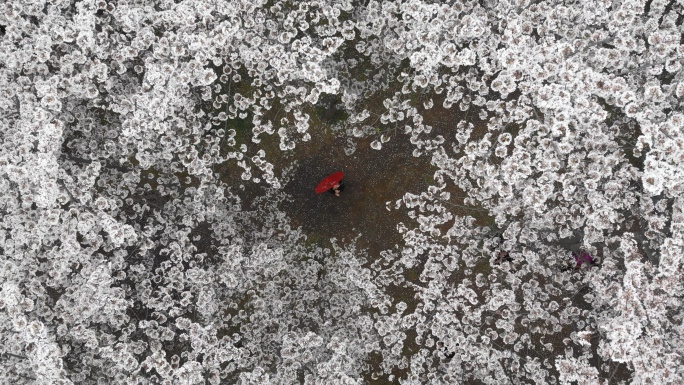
point(337, 188)
point(331, 183)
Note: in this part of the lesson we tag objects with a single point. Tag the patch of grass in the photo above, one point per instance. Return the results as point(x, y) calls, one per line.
point(328, 112)
point(482, 266)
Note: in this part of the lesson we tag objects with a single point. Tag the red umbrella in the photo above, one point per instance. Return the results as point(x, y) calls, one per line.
point(329, 181)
